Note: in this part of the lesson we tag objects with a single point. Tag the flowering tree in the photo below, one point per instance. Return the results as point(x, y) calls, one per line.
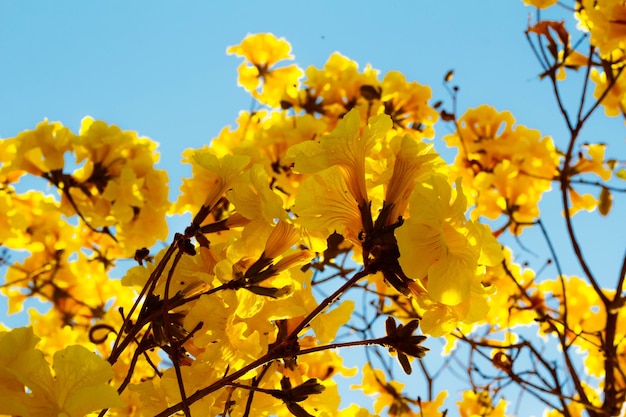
point(332, 182)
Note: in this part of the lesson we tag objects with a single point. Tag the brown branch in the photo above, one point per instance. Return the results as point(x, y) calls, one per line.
point(612, 82)
point(174, 343)
point(121, 342)
point(585, 84)
point(226, 380)
point(326, 302)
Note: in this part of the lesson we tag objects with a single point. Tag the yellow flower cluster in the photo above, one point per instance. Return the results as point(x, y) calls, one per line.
point(505, 168)
point(604, 20)
point(344, 154)
point(114, 187)
point(540, 4)
point(583, 321)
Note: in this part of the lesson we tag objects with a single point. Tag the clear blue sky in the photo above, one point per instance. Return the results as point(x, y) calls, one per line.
point(160, 68)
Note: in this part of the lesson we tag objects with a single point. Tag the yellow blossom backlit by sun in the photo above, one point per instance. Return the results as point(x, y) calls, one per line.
point(540, 4)
point(475, 404)
point(28, 388)
point(347, 147)
point(387, 393)
point(407, 103)
point(261, 53)
point(325, 205)
point(492, 151)
point(614, 102)
point(116, 184)
point(253, 198)
point(331, 89)
point(37, 151)
point(328, 164)
point(438, 245)
point(211, 178)
point(414, 160)
point(603, 19)
point(594, 163)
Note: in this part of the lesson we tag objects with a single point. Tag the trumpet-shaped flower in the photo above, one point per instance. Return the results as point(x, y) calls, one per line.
point(407, 103)
point(211, 178)
point(325, 205)
point(334, 89)
point(37, 151)
point(413, 161)
point(261, 53)
point(347, 147)
point(78, 387)
point(438, 245)
point(253, 198)
point(594, 163)
point(614, 102)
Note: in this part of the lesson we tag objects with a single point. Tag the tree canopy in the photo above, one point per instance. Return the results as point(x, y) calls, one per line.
point(324, 221)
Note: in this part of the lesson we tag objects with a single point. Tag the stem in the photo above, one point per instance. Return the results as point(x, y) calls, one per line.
point(120, 344)
point(585, 84)
point(558, 268)
point(326, 302)
point(227, 380)
point(174, 343)
point(368, 342)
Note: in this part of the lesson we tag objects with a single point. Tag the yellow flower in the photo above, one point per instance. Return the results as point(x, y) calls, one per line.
point(594, 163)
point(414, 160)
point(336, 196)
point(326, 325)
point(407, 104)
point(211, 178)
point(33, 221)
point(614, 102)
point(324, 205)
point(262, 49)
point(591, 162)
point(253, 198)
point(433, 408)
point(37, 151)
point(117, 185)
point(581, 202)
point(125, 194)
point(492, 152)
point(27, 388)
point(356, 411)
point(347, 147)
point(540, 4)
point(437, 244)
point(388, 394)
point(282, 237)
point(480, 404)
point(500, 194)
point(334, 89)
point(479, 128)
point(508, 306)
point(439, 319)
point(261, 52)
point(604, 20)
point(585, 311)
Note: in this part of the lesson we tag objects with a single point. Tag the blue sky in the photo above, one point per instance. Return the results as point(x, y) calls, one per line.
point(160, 68)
